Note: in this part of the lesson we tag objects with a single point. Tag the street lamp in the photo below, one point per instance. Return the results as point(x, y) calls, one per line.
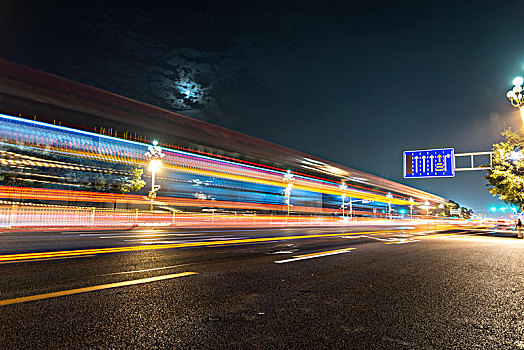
point(427, 204)
point(516, 96)
point(155, 155)
point(389, 196)
point(288, 178)
point(343, 187)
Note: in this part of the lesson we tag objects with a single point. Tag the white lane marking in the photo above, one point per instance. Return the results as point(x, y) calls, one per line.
point(427, 233)
point(312, 256)
point(283, 252)
point(379, 239)
point(395, 240)
point(145, 270)
point(403, 241)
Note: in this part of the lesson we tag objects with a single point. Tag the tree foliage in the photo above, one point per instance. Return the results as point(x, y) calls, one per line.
point(506, 176)
point(78, 173)
point(444, 209)
point(133, 182)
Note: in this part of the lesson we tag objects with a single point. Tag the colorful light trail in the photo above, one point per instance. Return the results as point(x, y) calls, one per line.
point(108, 149)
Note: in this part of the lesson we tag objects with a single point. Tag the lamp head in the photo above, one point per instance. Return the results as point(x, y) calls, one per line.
point(155, 165)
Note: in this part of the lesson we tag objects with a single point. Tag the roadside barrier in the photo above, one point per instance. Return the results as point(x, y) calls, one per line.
point(15, 216)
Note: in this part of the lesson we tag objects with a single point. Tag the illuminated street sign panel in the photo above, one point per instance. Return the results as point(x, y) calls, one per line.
point(429, 163)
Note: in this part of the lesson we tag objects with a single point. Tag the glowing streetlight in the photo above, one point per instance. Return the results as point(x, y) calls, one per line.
point(516, 96)
point(427, 205)
point(155, 165)
point(155, 155)
point(288, 178)
point(389, 196)
point(343, 187)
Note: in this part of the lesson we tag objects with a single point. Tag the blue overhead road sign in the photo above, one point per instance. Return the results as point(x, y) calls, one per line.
point(429, 163)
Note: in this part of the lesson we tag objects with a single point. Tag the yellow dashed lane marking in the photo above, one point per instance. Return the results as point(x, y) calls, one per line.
point(91, 289)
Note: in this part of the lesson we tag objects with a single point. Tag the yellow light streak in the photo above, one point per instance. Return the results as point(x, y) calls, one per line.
point(67, 253)
point(319, 189)
point(92, 288)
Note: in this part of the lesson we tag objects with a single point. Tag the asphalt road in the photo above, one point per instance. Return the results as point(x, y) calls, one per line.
point(368, 288)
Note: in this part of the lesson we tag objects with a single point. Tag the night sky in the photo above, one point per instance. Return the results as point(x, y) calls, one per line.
point(353, 82)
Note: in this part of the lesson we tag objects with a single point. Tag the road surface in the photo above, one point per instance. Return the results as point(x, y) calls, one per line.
point(371, 287)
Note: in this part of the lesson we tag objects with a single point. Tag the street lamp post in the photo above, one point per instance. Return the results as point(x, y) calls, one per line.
point(411, 201)
point(343, 187)
point(427, 204)
point(516, 96)
point(389, 196)
point(155, 155)
point(288, 178)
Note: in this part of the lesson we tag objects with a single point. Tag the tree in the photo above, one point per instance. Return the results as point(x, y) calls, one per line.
point(466, 213)
point(132, 182)
point(506, 176)
point(444, 209)
point(70, 171)
point(122, 178)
